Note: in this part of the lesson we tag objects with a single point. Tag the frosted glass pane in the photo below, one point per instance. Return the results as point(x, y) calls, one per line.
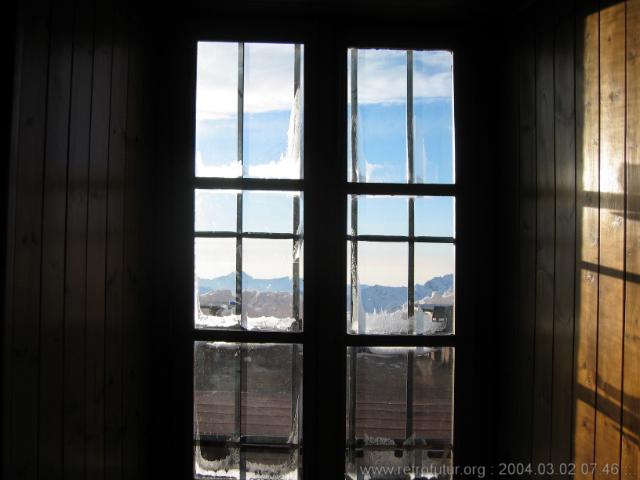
point(216, 210)
point(380, 119)
point(217, 110)
point(399, 411)
point(381, 115)
point(271, 108)
point(247, 405)
point(379, 302)
point(272, 112)
point(434, 216)
point(433, 116)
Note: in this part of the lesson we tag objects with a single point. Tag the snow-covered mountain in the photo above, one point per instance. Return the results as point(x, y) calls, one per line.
point(374, 297)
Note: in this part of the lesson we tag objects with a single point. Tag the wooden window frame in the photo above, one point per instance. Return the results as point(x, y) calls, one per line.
point(325, 190)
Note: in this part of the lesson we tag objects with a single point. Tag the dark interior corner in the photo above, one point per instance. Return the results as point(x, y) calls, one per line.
point(97, 245)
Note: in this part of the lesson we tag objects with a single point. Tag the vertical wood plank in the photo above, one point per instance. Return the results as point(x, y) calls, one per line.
point(76, 254)
point(527, 227)
point(587, 229)
point(22, 419)
point(508, 433)
point(630, 462)
point(96, 243)
point(564, 139)
point(115, 251)
point(53, 243)
point(133, 266)
point(611, 287)
point(7, 290)
point(545, 221)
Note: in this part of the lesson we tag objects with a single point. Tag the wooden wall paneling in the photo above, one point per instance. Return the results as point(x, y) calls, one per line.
point(564, 269)
point(148, 327)
point(587, 99)
point(74, 447)
point(97, 242)
point(545, 234)
point(174, 303)
point(508, 422)
point(11, 46)
point(612, 212)
point(54, 205)
point(9, 239)
point(135, 276)
point(21, 419)
point(630, 456)
point(115, 249)
point(527, 242)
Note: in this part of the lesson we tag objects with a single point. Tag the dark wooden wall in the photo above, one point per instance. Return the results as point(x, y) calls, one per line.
point(75, 359)
point(570, 327)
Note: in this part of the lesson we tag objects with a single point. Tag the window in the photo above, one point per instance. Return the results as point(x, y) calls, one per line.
point(251, 336)
point(401, 263)
point(248, 244)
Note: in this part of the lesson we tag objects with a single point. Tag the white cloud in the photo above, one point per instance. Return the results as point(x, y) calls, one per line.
point(432, 86)
point(382, 75)
point(268, 79)
point(287, 166)
point(217, 80)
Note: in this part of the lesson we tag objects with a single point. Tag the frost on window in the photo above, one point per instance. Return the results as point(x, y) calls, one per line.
point(400, 116)
point(248, 260)
point(249, 110)
point(247, 411)
point(400, 265)
point(399, 412)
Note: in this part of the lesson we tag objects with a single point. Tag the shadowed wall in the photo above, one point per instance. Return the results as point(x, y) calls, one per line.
point(77, 277)
point(571, 333)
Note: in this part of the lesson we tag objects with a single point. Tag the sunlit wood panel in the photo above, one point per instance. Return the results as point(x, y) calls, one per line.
point(611, 285)
point(587, 229)
point(630, 465)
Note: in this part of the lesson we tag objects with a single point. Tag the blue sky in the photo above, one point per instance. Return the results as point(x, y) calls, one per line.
point(271, 148)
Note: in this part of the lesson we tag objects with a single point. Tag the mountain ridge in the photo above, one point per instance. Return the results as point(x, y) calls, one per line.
point(373, 297)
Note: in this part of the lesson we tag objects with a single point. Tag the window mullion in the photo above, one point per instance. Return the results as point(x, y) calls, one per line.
point(410, 281)
point(241, 377)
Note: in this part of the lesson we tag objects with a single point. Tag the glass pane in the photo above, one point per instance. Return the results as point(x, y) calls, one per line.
point(217, 110)
point(262, 211)
point(377, 107)
point(399, 412)
point(433, 116)
point(269, 211)
point(378, 303)
point(434, 288)
point(216, 211)
point(247, 410)
point(272, 112)
point(268, 281)
point(381, 115)
point(379, 215)
point(215, 283)
point(434, 216)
